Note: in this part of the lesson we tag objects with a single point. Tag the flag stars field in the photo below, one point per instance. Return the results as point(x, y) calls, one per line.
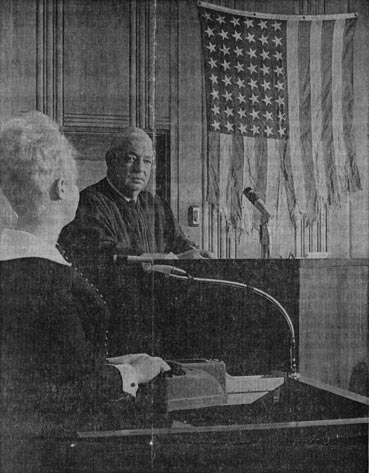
point(251, 52)
point(277, 41)
point(223, 34)
point(237, 36)
point(211, 47)
point(214, 78)
point(212, 63)
point(268, 131)
point(238, 51)
point(244, 57)
point(263, 39)
point(216, 125)
point(254, 114)
point(226, 80)
point(255, 129)
point(215, 109)
point(242, 128)
point(265, 85)
point(228, 112)
point(227, 96)
point(224, 49)
point(265, 69)
point(225, 65)
point(209, 31)
point(276, 26)
point(235, 21)
point(252, 68)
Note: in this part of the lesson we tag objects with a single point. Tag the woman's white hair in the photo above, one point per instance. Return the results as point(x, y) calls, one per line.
point(33, 154)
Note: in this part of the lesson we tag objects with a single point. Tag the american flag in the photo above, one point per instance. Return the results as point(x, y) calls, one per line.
point(279, 96)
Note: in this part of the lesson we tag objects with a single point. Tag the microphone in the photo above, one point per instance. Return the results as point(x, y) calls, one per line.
point(257, 202)
point(164, 269)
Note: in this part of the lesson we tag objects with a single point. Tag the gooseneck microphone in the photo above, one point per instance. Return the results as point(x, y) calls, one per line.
point(257, 202)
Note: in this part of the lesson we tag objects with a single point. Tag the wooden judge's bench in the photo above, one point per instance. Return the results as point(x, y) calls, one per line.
point(311, 419)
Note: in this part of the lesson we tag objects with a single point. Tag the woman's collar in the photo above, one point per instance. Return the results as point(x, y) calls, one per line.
point(16, 244)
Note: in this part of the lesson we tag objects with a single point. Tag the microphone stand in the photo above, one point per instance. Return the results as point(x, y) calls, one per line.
point(264, 237)
point(177, 273)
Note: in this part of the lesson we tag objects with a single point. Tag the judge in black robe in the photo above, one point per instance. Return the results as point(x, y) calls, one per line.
point(118, 216)
point(107, 223)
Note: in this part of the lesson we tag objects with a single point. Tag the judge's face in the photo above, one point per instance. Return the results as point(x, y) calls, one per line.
point(130, 167)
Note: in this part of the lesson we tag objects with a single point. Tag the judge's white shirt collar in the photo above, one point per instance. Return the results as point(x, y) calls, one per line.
point(15, 244)
point(127, 199)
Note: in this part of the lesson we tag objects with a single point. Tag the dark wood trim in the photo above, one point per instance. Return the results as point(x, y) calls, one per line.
point(91, 120)
point(49, 57)
point(59, 62)
point(221, 428)
point(40, 55)
point(174, 104)
point(151, 76)
point(132, 62)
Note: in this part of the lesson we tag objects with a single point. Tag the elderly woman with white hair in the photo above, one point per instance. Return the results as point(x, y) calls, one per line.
point(55, 374)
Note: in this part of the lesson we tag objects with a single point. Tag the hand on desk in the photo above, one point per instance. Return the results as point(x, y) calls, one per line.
point(138, 369)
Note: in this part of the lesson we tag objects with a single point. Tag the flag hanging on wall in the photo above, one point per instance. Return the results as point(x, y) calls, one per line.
point(279, 97)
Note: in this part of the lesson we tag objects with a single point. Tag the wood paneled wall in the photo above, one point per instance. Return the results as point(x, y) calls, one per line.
point(333, 323)
point(98, 65)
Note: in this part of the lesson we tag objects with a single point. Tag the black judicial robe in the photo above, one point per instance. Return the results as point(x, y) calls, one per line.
point(106, 223)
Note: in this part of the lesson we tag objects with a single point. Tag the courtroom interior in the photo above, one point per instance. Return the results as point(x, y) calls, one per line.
point(184, 235)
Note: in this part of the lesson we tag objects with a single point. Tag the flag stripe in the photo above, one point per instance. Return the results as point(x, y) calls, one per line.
point(316, 111)
point(305, 118)
point(337, 119)
point(225, 154)
point(294, 106)
point(261, 172)
point(213, 167)
point(327, 125)
point(250, 175)
point(352, 171)
point(288, 181)
point(236, 181)
point(249, 179)
point(273, 174)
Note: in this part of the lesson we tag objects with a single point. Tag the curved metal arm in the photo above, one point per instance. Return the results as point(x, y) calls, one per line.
point(265, 295)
